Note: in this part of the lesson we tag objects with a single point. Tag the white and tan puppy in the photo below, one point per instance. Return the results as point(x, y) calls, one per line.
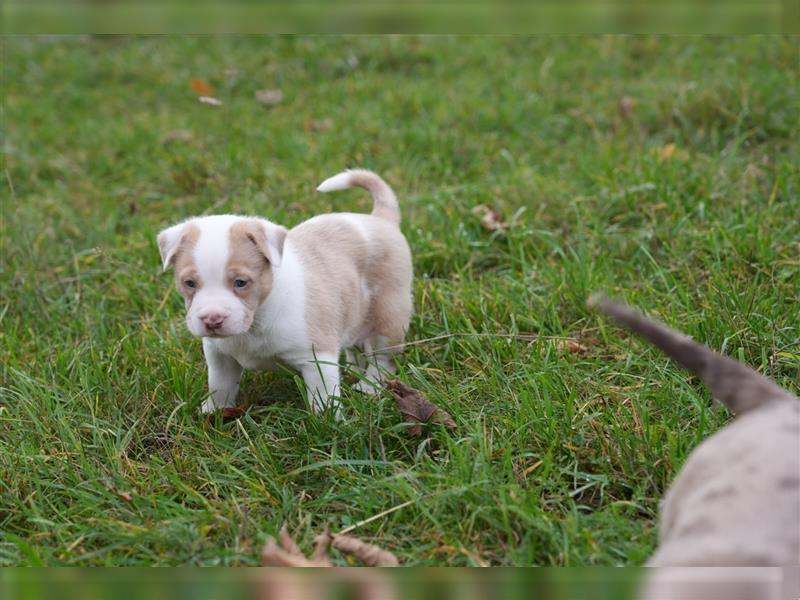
point(258, 294)
point(736, 501)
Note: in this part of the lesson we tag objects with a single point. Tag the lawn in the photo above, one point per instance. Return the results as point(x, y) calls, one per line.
point(660, 170)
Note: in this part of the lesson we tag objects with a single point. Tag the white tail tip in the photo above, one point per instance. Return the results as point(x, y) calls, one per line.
point(337, 182)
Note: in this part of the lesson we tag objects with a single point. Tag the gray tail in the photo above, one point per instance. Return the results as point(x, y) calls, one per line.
point(735, 385)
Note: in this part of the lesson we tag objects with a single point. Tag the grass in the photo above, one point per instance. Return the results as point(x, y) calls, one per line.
point(685, 205)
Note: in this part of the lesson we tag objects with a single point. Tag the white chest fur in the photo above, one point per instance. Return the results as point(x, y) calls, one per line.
point(279, 329)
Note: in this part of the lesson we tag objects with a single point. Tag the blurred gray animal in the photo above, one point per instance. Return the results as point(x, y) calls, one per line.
point(736, 501)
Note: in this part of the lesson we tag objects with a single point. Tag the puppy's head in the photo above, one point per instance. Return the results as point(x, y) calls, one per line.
point(223, 269)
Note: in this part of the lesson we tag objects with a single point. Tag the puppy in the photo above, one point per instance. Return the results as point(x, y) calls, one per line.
point(259, 294)
point(736, 501)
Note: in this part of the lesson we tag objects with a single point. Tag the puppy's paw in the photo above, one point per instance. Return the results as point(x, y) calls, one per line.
point(330, 404)
point(208, 407)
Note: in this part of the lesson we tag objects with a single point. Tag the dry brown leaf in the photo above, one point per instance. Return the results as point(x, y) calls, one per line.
point(177, 135)
point(288, 543)
point(571, 346)
point(319, 124)
point(666, 151)
point(229, 413)
point(416, 408)
point(671, 151)
point(321, 548)
point(210, 100)
point(233, 412)
point(286, 553)
point(491, 219)
point(269, 97)
point(201, 87)
point(625, 106)
point(369, 554)
point(274, 556)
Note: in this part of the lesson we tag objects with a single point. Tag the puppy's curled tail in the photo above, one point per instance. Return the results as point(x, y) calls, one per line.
point(735, 385)
point(385, 202)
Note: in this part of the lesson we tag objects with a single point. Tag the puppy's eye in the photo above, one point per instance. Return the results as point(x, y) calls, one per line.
point(190, 283)
point(239, 283)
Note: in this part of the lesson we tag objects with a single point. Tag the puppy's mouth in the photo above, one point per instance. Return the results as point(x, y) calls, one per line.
point(205, 332)
point(218, 333)
point(215, 333)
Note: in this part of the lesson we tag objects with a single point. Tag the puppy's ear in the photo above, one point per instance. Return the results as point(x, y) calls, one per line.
point(270, 238)
point(168, 242)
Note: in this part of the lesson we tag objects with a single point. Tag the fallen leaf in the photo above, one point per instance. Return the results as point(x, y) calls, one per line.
point(666, 151)
point(625, 106)
point(229, 413)
point(269, 97)
point(321, 548)
point(288, 543)
point(275, 556)
point(671, 151)
point(177, 135)
point(286, 553)
point(233, 412)
point(319, 124)
point(571, 346)
point(490, 217)
point(416, 408)
point(210, 100)
point(369, 554)
point(202, 87)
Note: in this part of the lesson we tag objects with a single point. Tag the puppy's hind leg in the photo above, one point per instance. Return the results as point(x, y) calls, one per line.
point(321, 376)
point(355, 360)
point(379, 353)
point(390, 314)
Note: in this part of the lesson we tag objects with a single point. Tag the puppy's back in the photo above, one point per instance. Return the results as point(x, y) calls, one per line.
point(354, 264)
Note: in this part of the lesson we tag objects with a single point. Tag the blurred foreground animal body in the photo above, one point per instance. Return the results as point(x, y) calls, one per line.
point(736, 501)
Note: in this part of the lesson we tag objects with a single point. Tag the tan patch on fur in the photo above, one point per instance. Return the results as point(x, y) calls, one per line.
point(248, 260)
point(389, 275)
point(337, 258)
point(183, 259)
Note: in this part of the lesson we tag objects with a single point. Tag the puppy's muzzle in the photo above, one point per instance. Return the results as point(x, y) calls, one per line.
point(213, 320)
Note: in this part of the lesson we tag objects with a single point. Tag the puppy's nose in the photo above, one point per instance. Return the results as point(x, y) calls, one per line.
point(213, 320)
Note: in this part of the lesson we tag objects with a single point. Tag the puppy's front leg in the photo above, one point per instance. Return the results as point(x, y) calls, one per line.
point(224, 374)
point(321, 376)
